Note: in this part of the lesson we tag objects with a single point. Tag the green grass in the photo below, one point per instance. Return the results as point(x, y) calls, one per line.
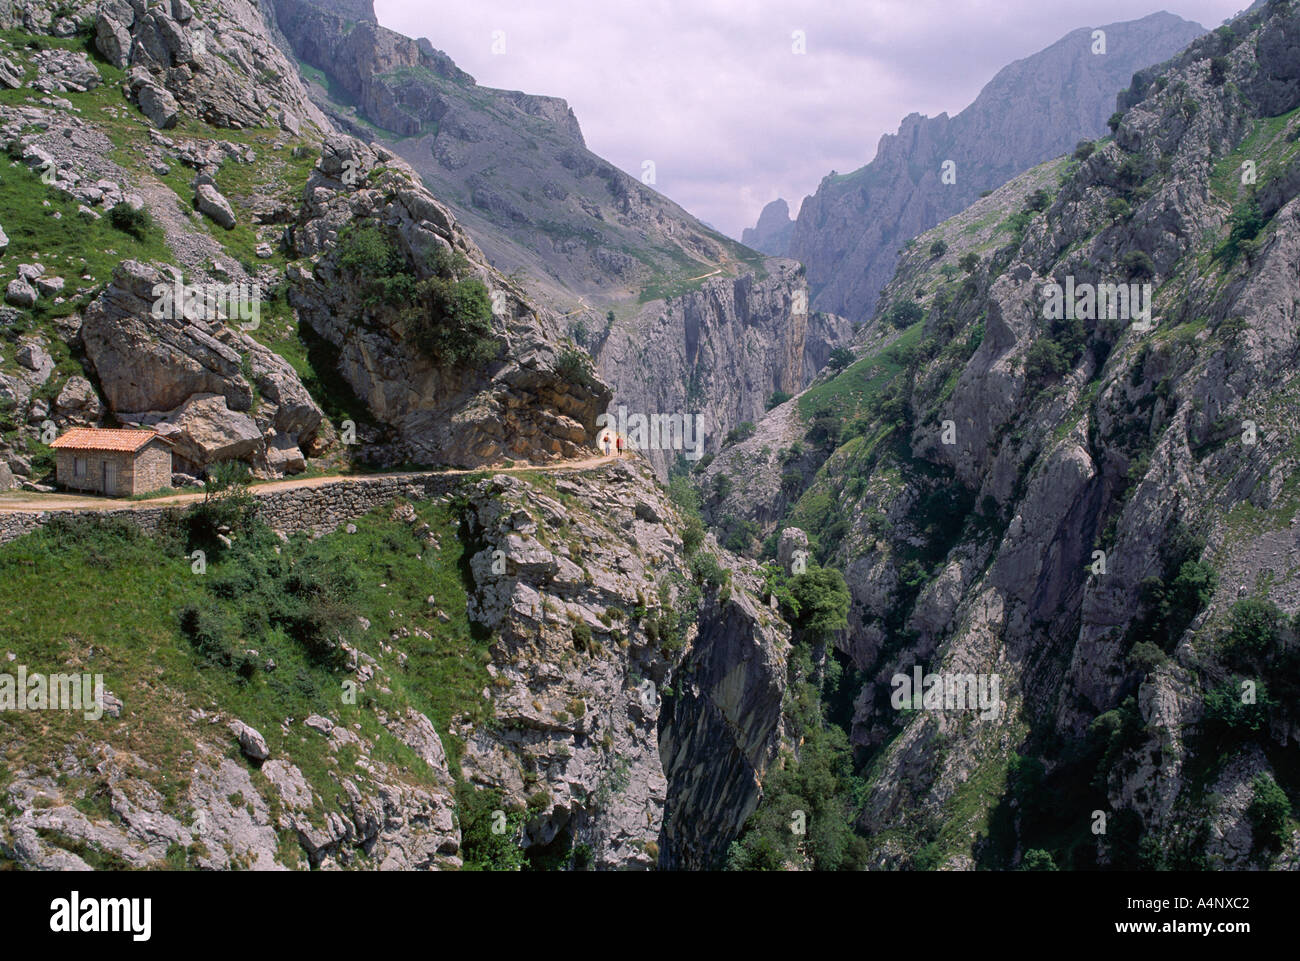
point(1267, 145)
point(120, 593)
point(859, 383)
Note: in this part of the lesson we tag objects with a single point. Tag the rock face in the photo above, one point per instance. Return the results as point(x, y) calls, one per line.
point(721, 352)
point(519, 405)
point(580, 696)
point(772, 233)
point(189, 373)
point(513, 167)
point(1022, 499)
point(848, 233)
point(224, 70)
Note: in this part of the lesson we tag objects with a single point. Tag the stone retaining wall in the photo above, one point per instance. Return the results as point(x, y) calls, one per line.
point(322, 508)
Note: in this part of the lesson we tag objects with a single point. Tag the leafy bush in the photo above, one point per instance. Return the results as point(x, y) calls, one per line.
point(743, 431)
point(904, 314)
point(1114, 121)
point(448, 317)
point(777, 399)
point(821, 602)
point(127, 219)
point(1255, 626)
point(938, 248)
point(1138, 265)
point(1036, 859)
point(969, 262)
point(1084, 149)
point(1218, 70)
point(840, 358)
point(1045, 360)
point(1268, 812)
point(481, 847)
point(575, 367)
point(1038, 201)
point(1246, 222)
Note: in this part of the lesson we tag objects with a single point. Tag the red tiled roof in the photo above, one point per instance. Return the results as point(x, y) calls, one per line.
point(95, 438)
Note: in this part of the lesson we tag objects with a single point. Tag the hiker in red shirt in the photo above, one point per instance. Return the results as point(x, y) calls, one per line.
point(619, 443)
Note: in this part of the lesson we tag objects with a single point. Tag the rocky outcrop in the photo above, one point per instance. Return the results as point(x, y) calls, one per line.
point(518, 405)
point(848, 233)
point(221, 69)
point(606, 712)
point(513, 167)
point(772, 233)
point(187, 372)
point(721, 352)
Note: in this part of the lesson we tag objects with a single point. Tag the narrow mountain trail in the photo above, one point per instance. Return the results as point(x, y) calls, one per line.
point(31, 502)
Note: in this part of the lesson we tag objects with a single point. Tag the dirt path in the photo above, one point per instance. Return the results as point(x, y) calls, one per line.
point(31, 502)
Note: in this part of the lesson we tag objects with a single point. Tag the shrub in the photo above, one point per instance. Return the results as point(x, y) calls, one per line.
point(581, 634)
point(1218, 70)
point(1119, 208)
point(1138, 265)
point(904, 314)
point(1254, 627)
point(1084, 149)
point(777, 399)
point(1114, 121)
point(1036, 859)
point(722, 486)
point(821, 602)
point(482, 848)
point(1246, 222)
point(1268, 812)
point(452, 322)
point(707, 571)
point(938, 248)
point(1038, 201)
point(1044, 361)
point(127, 219)
point(969, 262)
point(575, 367)
point(742, 431)
point(446, 316)
point(840, 358)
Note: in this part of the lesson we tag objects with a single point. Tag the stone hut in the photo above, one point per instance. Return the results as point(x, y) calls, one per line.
point(113, 462)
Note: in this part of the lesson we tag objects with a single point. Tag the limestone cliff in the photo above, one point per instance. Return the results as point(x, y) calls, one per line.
point(848, 232)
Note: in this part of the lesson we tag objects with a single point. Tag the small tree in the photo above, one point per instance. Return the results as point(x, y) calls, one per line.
point(840, 358)
point(938, 248)
point(821, 600)
point(1268, 812)
point(969, 262)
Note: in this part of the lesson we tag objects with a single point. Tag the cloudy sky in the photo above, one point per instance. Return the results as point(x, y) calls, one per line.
point(711, 91)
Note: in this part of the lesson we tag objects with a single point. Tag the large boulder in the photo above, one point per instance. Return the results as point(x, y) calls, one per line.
point(204, 431)
point(78, 401)
point(158, 105)
point(251, 742)
point(793, 542)
point(147, 363)
point(212, 204)
point(20, 293)
point(112, 39)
